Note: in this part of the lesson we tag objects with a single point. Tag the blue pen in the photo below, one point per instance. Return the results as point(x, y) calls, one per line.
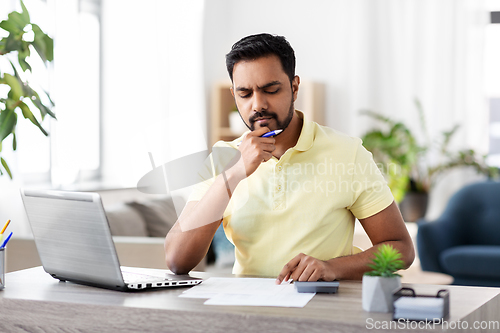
point(272, 133)
point(266, 135)
point(6, 241)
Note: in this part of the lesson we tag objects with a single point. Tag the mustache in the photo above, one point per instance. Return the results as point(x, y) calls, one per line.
point(262, 114)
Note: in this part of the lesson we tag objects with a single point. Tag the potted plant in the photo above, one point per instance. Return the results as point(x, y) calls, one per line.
point(24, 40)
point(380, 283)
point(406, 163)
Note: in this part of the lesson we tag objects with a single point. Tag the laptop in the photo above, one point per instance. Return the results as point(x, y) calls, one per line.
point(74, 242)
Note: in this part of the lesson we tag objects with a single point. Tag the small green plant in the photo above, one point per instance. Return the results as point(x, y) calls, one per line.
point(386, 262)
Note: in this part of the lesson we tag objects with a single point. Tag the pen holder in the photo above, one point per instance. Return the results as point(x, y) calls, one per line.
point(2, 268)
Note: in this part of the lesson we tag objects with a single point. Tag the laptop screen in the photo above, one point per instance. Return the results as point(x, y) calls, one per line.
point(72, 236)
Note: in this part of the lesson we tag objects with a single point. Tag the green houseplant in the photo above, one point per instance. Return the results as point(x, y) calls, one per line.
point(407, 163)
point(380, 283)
point(25, 39)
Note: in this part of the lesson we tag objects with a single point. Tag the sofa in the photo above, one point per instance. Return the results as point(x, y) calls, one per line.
point(464, 241)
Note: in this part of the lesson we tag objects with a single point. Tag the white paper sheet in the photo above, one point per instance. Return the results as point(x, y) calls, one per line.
point(248, 292)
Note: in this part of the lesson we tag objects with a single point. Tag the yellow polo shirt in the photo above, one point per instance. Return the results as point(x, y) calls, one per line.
point(305, 202)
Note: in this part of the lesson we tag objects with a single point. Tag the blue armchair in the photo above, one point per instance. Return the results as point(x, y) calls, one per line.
point(464, 241)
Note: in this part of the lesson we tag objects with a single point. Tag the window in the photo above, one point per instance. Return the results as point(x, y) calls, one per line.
point(122, 80)
point(76, 136)
point(71, 153)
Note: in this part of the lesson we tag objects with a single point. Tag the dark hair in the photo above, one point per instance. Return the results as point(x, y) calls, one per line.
point(261, 45)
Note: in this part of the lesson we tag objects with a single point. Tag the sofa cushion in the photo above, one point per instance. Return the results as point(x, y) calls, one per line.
point(159, 214)
point(481, 261)
point(125, 221)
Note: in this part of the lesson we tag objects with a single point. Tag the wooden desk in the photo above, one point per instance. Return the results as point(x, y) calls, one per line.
point(32, 301)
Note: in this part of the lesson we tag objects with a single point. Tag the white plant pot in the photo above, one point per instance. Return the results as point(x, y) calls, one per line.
point(236, 125)
point(377, 293)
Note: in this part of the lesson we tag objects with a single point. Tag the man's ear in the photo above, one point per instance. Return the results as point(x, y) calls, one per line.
point(232, 91)
point(295, 87)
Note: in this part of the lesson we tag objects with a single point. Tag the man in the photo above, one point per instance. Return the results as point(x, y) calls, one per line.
point(287, 202)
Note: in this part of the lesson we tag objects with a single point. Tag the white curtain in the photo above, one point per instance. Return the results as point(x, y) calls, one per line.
point(433, 51)
point(154, 100)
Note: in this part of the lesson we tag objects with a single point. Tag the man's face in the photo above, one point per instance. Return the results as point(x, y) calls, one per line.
point(263, 94)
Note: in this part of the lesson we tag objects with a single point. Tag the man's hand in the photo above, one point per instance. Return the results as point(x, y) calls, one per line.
point(385, 227)
point(255, 150)
point(306, 268)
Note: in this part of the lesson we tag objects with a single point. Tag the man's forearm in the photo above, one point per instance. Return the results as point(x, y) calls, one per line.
point(385, 227)
point(211, 207)
point(353, 267)
point(188, 241)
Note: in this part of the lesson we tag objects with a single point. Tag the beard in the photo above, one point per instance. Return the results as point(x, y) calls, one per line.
point(282, 124)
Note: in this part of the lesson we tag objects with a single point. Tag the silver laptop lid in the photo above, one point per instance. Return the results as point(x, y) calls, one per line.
point(72, 237)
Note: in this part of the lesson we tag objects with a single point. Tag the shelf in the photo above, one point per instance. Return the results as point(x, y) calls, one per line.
point(226, 131)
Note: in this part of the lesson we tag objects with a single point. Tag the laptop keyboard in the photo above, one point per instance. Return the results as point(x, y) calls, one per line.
point(129, 277)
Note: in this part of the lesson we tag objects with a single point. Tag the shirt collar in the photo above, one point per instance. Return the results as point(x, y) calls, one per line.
point(306, 136)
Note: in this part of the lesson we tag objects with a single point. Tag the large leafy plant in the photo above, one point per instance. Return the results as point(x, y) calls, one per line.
point(386, 262)
point(407, 163)
point(25, 39)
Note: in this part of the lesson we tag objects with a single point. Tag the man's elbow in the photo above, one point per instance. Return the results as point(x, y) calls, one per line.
point(408, 256)
point(177, 269)
point(172, 259)
point(177, 262)
point(175, 266)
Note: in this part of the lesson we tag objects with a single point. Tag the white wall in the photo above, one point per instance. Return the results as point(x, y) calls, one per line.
point(369, 54)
